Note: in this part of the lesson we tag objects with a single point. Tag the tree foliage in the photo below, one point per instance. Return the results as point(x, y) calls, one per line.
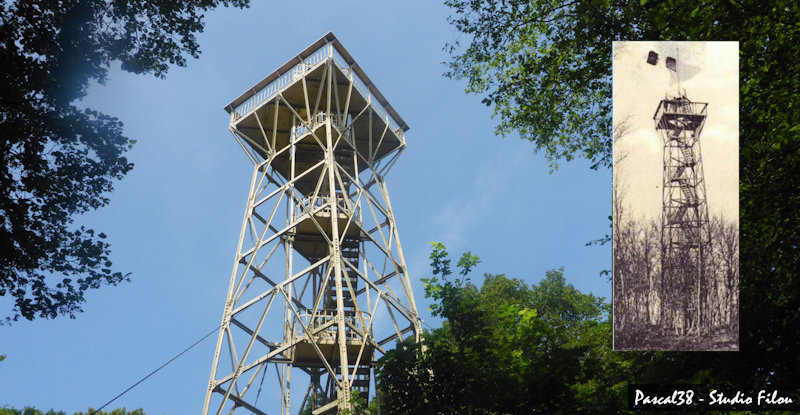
point(57, 160)
point(540, 66)
point(506, 347)
point(545, 66)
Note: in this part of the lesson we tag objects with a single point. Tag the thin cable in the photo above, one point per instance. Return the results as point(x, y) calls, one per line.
point(426, 323)
point(159, 368)
point(261, 384)
point(186, 350)
point(433, 328)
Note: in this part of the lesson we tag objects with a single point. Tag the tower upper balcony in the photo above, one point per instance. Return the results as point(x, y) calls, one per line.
point(321, 83)
point(680, 113)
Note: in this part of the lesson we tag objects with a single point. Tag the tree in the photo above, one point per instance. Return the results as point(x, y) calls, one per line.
point(541, 68)
point(638, 293)
point(57, 160)
point(545, 67)
point(506, 347)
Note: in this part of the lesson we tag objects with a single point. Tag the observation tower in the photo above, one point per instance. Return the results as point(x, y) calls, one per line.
point(319, 288)
point(685, 236)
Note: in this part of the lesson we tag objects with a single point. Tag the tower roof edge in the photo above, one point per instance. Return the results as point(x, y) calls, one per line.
point(328, 38)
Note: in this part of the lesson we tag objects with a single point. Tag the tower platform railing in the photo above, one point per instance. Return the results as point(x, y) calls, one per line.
point(680, 111)
point(318, 57)
point(319, 204)
point(319, 119)
point(322, 325)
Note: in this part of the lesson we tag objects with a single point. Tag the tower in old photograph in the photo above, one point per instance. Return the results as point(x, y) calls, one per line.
point(685, 234)
point(685, 237)
point(319, 288)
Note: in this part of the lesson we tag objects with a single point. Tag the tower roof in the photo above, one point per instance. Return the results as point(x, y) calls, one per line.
point(329, 38)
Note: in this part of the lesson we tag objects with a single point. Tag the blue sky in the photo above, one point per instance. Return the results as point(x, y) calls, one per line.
point(175, 219)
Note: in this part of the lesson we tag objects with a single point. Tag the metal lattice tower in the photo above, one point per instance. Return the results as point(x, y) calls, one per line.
point(685, 237)
point(319, 287)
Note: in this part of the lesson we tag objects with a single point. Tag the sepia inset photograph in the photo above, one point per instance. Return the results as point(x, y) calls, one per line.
point(676, 196)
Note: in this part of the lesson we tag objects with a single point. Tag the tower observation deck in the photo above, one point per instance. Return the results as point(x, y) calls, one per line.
point(319, 287)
